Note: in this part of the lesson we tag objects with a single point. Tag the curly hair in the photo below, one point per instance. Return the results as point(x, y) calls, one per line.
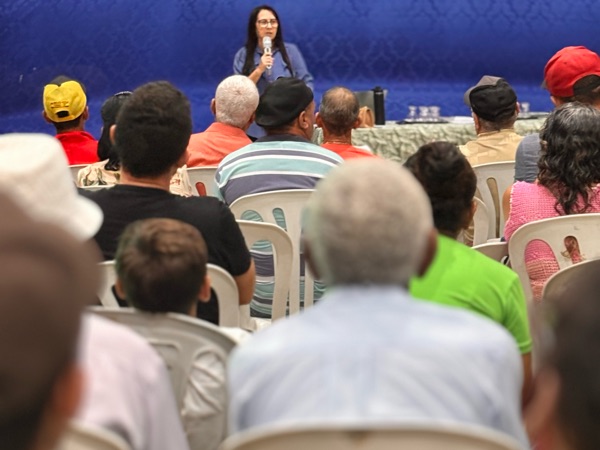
point(251, 41)
point(569, 163)
point(449, 181)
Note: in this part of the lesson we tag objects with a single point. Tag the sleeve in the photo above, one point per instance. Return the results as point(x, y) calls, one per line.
point(299, 65)
point(517, 321)
point(235, 254)
point(238, 61)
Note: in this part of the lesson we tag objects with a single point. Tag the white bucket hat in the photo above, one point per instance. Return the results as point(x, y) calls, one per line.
point(34, 172)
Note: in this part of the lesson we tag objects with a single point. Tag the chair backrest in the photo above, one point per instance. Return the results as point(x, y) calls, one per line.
point(283, 257)
point(74, 169)
point(227, 295)
point(583, 227)
point(291, 203)
point(563, 281)
point(492, 180)
point(80, 436)
point(340, 437)
point(481, 221)
point(96, 187)
point(108, 277)
point(202, 180)
point(179, 339)
point(496, 250)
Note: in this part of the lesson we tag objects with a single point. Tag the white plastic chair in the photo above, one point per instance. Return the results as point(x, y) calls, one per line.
point(498, 251)
point(206, 177)
point(96, 187)
point(81, 436)
point(500, 176)
point(481, 221)
point(74, 169)
point(227, 295)
point(402, 436)
point(584, 227)
point(108, 277)
point(179, 339)
point(291, 203)
point(563, 281)
point(283, 256)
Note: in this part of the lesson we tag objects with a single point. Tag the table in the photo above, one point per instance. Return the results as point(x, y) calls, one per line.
point(398, 142)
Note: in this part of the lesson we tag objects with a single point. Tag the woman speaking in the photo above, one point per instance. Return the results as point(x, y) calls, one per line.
point(265, 57)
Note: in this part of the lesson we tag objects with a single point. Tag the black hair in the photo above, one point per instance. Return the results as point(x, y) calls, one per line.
point(108, 112)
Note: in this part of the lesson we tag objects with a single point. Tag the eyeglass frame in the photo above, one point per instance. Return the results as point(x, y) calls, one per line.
point(264, 23)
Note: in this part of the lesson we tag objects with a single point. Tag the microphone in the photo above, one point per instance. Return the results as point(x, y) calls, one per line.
point(267, 48)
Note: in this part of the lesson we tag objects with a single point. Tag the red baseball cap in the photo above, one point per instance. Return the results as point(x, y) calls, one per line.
point(568, 66)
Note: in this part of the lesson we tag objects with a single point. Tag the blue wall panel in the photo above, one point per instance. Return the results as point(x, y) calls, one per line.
point(422, 51)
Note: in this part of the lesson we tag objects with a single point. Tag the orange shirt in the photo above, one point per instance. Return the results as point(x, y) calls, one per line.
point(347, 151)
point(80, 147)
point(215, 143)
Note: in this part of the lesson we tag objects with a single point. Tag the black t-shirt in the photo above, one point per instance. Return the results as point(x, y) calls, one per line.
point(124, 204)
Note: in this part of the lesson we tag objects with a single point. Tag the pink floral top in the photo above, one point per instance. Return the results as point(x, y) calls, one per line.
point(530, 202)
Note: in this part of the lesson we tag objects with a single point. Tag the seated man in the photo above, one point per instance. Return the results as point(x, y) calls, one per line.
point(234, 105)
point(65, 107)
point(161, 267)
point(369, 353)
point(283, 159)
point(46, 279)
point(337, 117)
point(151, 136)
point(494, 105)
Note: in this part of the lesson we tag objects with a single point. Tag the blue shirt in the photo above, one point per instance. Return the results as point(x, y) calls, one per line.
point(372, 354)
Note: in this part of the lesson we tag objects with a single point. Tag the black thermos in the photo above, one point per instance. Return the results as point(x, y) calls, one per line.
point(379, 105)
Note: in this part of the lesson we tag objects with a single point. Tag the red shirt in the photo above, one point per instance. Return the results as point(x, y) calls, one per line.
point(214, 144)
point(80, 147)
point(347, 151)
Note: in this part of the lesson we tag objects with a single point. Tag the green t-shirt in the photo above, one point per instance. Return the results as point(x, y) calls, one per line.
point(463, 277)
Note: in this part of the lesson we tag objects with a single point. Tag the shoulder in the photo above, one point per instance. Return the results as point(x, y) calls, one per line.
point(241, 53)
point(291, 48)
point(529, 143)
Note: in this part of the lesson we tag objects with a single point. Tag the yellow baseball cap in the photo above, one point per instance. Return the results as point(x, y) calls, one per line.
point(64, 101)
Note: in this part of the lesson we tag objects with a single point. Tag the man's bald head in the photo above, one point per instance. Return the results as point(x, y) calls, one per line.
point(339, 110)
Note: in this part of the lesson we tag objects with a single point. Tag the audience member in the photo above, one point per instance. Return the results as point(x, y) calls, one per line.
point(108, 171)
point(460, 276)
point(569, 173)
point(337, 117)
point(65, 107)
point(368, 353)
point(234, 105)
point(120, 366)
point(571, 75)
point(161, 267)
point(562, 415)
point(494, 105)
point(46, 278)
point(151, 136)
point(283, 159)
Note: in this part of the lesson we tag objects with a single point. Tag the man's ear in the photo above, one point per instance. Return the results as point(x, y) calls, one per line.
point(430, 251)
point(204, 294)
point(318, 120)
point(119, 288)
point(111, 133)
point(250, 121)
point(309, 259)
point(213, 107)
point(86, 113)
point(357, 123)
point(556, 101)
point(470, 214)
point(303, 123)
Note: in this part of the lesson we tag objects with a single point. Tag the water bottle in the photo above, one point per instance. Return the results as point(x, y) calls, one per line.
point(379, 105)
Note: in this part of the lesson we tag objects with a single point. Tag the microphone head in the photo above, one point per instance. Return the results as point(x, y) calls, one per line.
point(266, 42)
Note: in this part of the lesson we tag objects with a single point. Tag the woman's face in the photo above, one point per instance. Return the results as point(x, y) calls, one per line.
point(266, 25)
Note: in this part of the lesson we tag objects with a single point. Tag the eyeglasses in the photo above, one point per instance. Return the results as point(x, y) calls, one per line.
point(263, 23)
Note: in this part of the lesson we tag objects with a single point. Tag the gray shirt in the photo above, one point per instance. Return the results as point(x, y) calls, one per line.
point(526, 158)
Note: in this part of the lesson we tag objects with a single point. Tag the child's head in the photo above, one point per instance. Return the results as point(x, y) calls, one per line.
point(161, 266)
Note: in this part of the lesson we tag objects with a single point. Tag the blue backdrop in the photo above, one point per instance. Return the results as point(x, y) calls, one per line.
point(425, 52)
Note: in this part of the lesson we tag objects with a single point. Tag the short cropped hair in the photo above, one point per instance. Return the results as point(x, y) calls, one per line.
point(339, 109)
point(368, 222)
point(236, 99)
point(161, 264)
point(449, 181)
point(153, 129)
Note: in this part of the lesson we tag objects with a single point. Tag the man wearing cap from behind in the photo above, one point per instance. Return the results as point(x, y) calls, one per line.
point(283, 159)
point(571, 75)
point(65, 107)
point(494, 105)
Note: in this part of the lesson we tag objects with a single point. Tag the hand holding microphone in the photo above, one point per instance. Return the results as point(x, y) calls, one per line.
point(267, 57)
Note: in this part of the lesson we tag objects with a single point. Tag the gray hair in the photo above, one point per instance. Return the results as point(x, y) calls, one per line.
point(368, 223)
point(236, 100)
point(339, 109)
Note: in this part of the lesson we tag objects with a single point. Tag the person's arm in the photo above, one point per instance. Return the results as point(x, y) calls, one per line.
point(240, 58)
point(245, 284)
point(506, 202)
point(300, 69)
